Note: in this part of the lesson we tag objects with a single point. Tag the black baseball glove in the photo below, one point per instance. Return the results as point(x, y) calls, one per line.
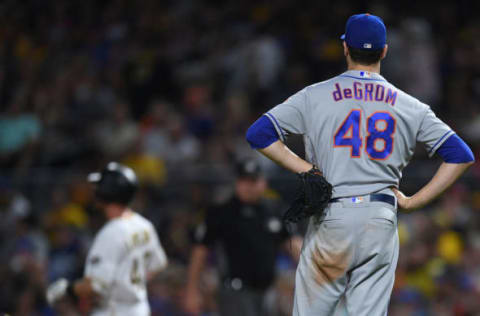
point(312, 198)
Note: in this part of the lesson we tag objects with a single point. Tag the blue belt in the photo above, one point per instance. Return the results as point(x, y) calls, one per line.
point(376, 197)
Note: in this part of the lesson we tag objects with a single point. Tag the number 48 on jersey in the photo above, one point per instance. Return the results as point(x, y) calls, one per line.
point(380, 132)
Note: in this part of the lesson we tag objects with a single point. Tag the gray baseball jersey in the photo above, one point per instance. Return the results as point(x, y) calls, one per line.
point(360, 130)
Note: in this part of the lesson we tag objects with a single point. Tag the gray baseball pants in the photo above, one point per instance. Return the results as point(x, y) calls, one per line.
point(349, 254)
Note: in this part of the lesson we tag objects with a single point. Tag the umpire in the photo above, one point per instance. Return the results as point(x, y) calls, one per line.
point(248, 233)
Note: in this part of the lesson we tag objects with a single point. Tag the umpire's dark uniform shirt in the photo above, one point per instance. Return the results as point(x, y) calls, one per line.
point(249, 236)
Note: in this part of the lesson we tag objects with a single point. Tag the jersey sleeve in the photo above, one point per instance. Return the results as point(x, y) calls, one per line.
point(262, 133)
point(455, 150)
point(433, 132)
point(102, 260)
point(289, 116)
point(158, 258)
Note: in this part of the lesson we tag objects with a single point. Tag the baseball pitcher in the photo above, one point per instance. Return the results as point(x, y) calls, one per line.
point(126, 252)
point(360, 131)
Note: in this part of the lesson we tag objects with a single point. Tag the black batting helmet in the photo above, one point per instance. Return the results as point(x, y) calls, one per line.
point(115, 184)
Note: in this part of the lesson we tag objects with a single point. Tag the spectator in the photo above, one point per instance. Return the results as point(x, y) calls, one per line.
point(118, 134)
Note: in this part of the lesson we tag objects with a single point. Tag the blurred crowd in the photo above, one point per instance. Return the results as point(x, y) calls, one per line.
point(169, 88)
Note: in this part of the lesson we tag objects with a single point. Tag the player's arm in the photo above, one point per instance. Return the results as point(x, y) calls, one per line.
point(80, 289)
point(100, 267)
point(157, 259)
point(282, 155)
point(268, 133)
point(263, 137)
point(457, 157)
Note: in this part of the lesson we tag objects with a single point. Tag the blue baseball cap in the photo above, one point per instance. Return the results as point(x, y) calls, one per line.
point(365, 31)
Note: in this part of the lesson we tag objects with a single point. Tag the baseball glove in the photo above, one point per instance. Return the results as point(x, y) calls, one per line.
point(313, 196)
